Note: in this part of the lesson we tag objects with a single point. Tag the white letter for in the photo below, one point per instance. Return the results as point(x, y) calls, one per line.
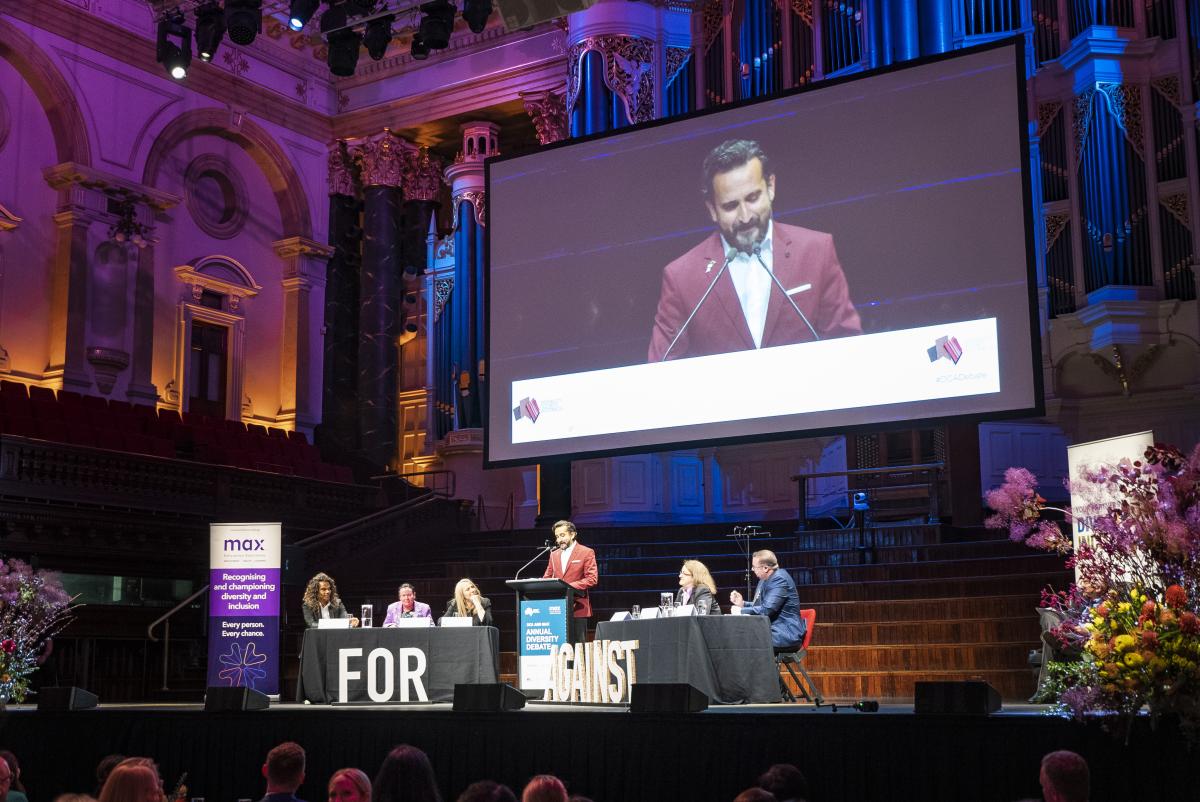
point(345, 674)
point(389, 678)
point(412, 674)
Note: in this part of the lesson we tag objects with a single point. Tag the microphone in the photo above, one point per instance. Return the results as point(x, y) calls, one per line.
point(775, 279)
point(547, 546)
point(724, 266)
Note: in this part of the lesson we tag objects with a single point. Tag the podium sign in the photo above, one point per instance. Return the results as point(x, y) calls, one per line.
point(243, 606)
point(543, 628)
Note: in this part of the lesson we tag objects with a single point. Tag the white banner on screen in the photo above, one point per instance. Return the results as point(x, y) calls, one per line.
point(948, 360)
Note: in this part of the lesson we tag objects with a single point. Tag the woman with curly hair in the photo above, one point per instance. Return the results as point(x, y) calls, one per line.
point(467, 601)
point(321, 600)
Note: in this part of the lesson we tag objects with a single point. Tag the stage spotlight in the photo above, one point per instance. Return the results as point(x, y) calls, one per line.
point(243, 20)
point(476, 13)
point(175, 56)
point(302, 11)
point(343, 42)
point(437, 24)
point(210, 30)
point(418, 50)
point(378, 36)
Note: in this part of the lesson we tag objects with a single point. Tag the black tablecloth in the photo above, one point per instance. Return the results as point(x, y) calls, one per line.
point(729, 657)
point(453, 655)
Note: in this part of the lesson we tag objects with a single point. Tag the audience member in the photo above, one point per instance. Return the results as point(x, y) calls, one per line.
point(6, 778)
point(487, 791)
point(284, 772)
point(349, 785)
point(405, 776)
point(785, 782)
point(74, 798)
point(578, 798)
point(134, 779)
point(1065, 777)
point(16, 791)
point(104, 768)
point(544, 788)
point(755, 795)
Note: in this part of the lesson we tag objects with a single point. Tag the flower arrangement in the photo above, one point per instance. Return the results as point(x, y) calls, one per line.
point(33, 609)
point(1129, 635)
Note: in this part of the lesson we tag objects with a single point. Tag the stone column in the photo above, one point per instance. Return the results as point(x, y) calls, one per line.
point(8, 222)
point(380, 161)
point(339, 406)
point(303, 299)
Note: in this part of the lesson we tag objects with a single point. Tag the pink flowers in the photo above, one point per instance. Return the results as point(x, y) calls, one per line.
point(8, 645)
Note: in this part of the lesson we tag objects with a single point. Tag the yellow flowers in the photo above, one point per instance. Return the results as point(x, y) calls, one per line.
point(1123, 643)
point(1124, 607)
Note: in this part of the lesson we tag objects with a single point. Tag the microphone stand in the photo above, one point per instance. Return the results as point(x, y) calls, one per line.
point(728, 258)
point(545, 548)
point(774, 278)
point(741, 535)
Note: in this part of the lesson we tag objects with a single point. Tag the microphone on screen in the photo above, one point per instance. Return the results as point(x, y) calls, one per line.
point(724, 266)
point(775, 280)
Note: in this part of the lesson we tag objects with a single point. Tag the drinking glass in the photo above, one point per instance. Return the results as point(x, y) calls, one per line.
point(367, 614)
point(635, 611)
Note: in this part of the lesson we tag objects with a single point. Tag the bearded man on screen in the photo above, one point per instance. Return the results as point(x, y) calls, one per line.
point(767, 283)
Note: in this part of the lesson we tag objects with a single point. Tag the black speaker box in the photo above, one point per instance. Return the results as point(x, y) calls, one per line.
point(487, 696)
point(225, 700)
point(64, 698)
point(970, 698)
point(667, 697)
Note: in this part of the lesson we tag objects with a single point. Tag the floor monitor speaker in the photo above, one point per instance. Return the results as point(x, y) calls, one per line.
point(487, 696)
point(667, 697)
point(970, 698)
point(66, 697)
point(225, 700)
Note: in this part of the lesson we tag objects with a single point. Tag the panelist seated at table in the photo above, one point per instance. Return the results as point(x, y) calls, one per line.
point(696, 587)
point(407, 607)
point(468, 601)
point(776, 598)
point(321, 600)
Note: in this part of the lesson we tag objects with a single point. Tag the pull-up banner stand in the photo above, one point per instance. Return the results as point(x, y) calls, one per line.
point(243, 606)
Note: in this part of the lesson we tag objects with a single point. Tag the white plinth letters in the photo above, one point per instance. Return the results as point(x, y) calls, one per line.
point(412, 673)
point(345, 674)
point(389, 675)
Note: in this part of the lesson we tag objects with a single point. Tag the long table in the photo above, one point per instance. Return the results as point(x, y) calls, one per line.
point(728, 657)
point(437, 659)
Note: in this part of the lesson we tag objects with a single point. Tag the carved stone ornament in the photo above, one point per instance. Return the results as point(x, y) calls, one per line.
point(1047, 113)
point(1055, 223)
point(478, 199)
point(1079, 123)
point(380, 160)
point(1126, 103)
point(442, 288)
point(713, 22)
point(107, 364)
point(628, 72)
point(342, 178)
point(1168, 87)
point(1177, 206)
point(804, 10)
point(422, 175)
point(676, 58)
point(548, 110)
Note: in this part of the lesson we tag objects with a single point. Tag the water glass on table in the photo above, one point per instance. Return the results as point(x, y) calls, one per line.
point(367, 617)
point(635, 611)
point(665, 603)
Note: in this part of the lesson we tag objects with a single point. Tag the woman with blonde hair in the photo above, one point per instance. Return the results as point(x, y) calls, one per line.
point(468, 601)
point(349, 785)
point(696, 587)
point(134, 779)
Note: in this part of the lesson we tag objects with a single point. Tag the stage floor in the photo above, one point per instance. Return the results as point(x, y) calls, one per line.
point(607, 752)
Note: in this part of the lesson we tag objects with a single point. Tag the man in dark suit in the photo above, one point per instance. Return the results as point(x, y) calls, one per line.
point(746, 308)
point(284, 772)
point(776, 598)
point(575, 564)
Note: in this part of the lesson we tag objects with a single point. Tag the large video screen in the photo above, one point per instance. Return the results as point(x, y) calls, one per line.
point(852, 255)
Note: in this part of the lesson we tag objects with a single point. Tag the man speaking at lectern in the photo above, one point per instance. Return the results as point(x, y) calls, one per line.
point(753, 283)
point(575, 564)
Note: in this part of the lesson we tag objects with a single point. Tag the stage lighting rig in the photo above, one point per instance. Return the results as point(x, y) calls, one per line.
point(243, 20)
point(210, 30)
point(437, 24)
point(301, 12)
point(418, 49)
point(377, 36)
point(476, 13)
point(174, 46)
point(342, 40)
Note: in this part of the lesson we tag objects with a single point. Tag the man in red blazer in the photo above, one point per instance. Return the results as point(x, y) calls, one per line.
point(746, 308)
point(575, 564)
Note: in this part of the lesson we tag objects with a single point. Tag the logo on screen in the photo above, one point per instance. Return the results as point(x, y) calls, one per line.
point(528, 408)
point(945, 347)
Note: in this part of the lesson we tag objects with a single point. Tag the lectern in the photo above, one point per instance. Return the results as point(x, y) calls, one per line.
point(544, 608)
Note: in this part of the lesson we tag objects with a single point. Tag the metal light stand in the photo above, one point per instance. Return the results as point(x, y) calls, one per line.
point(742, 535)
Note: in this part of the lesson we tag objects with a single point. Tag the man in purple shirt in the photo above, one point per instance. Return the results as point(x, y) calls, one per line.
point(407, 607)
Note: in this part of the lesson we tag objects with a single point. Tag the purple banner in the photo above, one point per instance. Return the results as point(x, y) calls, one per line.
point(243, 606)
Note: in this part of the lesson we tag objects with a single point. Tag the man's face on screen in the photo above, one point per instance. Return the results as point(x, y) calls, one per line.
point(740, 204)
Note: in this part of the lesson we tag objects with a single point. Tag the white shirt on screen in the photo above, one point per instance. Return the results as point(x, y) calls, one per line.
point(752, 283)
point(566, 556)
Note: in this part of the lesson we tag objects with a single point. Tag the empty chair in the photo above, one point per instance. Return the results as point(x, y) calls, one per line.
point(13, 388)
point(808, 688)
point(41, 394)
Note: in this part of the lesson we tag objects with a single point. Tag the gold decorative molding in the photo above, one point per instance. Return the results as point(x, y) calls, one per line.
point(628, 72)
point(380, 159)
point(675, 59)
point(548, 110)
point(1055, 224)
point(1177, 206)
point(478, 200)
point(8, 220)
point(1168, 87)
point(69, 174)
point(343, 179)
point(422, 174)
point(1047, 114)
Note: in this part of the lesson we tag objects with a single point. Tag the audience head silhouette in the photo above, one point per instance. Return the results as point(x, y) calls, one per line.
point(405, 776)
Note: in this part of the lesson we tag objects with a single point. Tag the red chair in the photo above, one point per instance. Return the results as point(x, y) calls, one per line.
point(12, 388)
point(41, 394)
point(297, 436)
point(808, 688)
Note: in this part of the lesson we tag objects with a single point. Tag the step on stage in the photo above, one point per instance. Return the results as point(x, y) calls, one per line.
point(609, 754)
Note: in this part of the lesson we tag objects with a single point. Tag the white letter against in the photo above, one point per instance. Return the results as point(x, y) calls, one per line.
point(580, 674)
point(389, 676)
point(345, 674)
point(552, 688)
point(631, 646)
point(616, 693)
point(412, 673)
point(598, 677)
point(562, 691)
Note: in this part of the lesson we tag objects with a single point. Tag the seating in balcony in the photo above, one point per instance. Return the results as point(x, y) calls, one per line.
point(95, 422)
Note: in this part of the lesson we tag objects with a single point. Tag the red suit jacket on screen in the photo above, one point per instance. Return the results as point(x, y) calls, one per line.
point(581, 574)
point(801, 257)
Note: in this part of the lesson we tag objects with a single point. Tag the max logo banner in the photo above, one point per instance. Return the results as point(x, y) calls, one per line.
point(245, 544)
point(528, 408)
point(947, 347)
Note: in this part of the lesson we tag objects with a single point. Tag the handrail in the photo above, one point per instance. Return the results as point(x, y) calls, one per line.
point(414, 502)
point(165, 620)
